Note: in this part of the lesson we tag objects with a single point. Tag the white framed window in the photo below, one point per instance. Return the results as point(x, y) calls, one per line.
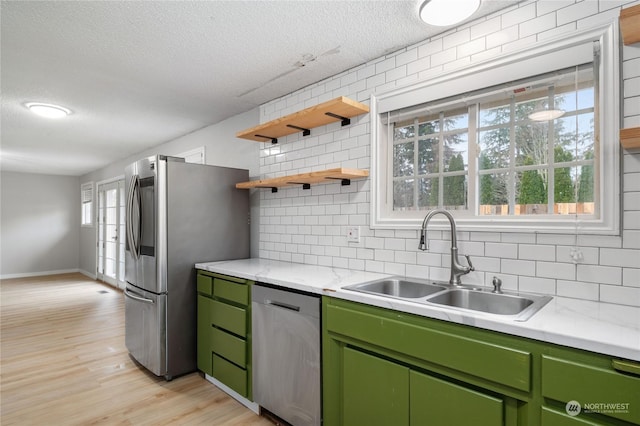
point(469, 142)
point(86, 204)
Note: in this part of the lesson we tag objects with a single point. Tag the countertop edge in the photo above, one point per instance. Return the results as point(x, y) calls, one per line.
point(563, 321)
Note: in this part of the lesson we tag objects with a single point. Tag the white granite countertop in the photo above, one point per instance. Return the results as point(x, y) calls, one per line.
point(594, 326)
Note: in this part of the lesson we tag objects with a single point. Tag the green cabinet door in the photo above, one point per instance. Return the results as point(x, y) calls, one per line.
point(204, 337)
point(436, 402)
point(375, 391)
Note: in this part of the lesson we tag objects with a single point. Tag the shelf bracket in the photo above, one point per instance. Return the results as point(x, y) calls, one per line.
point(272, 188)
point(273, 140)
point(345, 121)
point(343, 181)
point(304, 185)
point(305, 132)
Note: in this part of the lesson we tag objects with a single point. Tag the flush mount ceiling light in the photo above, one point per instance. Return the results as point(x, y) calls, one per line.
point(546, 114)
point(48, 110)
point(442, 13)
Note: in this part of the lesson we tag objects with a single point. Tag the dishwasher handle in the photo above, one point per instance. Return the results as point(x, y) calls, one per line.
point(282, 305)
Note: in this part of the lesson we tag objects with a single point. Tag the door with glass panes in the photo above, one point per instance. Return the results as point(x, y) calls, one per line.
point(111, 233)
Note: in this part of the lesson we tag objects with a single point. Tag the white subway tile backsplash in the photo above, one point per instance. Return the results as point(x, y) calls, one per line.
point(518, 267)
point(547, 6)
point(537, 285)
point(538, 25)
point(620, 295)
point(620, 257)
point(631, 277)
point(309, 226)
point(578, 290)
point(501, 250)
point(483, 28)
point(577, 11)
point(536, 252)
point(519, 15)
point(599, 274)
point(564, 271)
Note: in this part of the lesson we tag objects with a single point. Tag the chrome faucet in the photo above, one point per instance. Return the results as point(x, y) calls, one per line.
point(457, 269)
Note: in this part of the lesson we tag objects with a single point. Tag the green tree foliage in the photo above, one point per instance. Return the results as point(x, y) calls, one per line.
point(563, 188)
point(532, 187)
point(585, 189)
point(455, 191)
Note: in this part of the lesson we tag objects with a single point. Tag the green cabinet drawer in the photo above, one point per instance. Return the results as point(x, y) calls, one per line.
point(375, 391)
point(204, 284)
point(387, 329)
point(203, 328)
point(228, 317)
point(232, 291)
point(229, 346)
point(551, 417)
point(565, 381)
point(438, 402)
point(230, 374)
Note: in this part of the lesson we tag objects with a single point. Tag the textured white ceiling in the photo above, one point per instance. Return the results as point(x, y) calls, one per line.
point(140, 73)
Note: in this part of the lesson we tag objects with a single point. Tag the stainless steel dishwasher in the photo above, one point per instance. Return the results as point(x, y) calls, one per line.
point(286, 354)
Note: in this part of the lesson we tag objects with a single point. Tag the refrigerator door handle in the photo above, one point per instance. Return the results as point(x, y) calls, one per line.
point(131, 295)
point(133, 193)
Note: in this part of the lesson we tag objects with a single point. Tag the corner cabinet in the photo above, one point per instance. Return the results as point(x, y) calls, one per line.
point(383, 367)
point(224, 330)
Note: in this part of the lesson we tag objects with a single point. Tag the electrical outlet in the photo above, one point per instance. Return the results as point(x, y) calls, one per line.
point(353, 234)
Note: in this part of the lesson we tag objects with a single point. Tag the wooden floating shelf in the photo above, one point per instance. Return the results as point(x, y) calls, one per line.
point(630, 138)
point(339, 109)
point(630, 24)
point(306, 179)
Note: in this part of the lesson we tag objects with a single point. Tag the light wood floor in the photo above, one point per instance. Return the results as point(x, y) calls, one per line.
point(63, 362)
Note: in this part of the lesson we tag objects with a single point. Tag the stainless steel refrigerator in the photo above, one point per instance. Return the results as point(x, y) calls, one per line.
point(177, 214)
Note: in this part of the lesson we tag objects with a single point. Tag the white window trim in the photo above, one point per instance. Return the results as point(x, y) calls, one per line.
point(540, 58)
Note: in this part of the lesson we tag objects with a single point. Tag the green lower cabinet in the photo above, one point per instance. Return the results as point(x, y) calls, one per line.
point(384, 367)
point(224, 330)
point(375, 391)
point(437, 402)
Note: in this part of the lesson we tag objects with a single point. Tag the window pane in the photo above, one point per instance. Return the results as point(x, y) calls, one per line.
point(523, 109)
point(428, 193)
point(404, 132)
point(429, 127)
point(494, 116)
point(403, 194)
point(456, 122)
point(456, 152)
point(428, 156)
point(531, 144)
point(403, 159)
point(494, 146)
point(531, 193)
point(455, 192)
point(493, 194)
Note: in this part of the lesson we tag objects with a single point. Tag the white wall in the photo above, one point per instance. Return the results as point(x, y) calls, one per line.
point(310, 226)
point(222, 148)
point(39, 224)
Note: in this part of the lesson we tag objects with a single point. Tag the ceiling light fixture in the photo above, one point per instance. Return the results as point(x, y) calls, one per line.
point(442, 13)
point(48, 110)
point(546, 114)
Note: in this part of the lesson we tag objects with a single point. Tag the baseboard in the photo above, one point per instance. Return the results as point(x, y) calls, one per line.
point(39, 274)
point(88, 274)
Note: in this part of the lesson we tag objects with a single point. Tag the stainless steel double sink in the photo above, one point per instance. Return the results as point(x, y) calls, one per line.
point(506, 305)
